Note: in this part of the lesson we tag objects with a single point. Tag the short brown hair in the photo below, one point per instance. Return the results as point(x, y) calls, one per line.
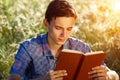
point(59, 8)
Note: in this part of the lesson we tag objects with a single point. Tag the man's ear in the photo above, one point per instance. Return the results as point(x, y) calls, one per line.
point(45, 22)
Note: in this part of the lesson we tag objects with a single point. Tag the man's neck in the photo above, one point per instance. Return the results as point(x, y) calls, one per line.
point(55, 49)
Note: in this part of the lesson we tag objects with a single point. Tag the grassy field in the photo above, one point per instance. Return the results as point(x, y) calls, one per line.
point(98, 24)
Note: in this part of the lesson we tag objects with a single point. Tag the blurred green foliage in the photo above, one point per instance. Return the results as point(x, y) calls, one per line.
point(98, 25)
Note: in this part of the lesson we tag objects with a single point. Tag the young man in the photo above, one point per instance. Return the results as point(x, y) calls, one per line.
point(36, 58)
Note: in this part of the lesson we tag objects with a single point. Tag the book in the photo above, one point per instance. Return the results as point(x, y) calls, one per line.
point(78, 64)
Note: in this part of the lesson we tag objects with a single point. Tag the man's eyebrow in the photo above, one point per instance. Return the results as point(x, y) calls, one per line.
point(70, 27)
point(62, 27)
point(57, 26)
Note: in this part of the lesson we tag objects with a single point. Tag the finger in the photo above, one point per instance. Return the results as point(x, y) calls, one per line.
point(60, 78)
point(98, 75)
point(97, 71)
point(100, 78)
point(100, 68)
point(54, 78)
point(58, 74)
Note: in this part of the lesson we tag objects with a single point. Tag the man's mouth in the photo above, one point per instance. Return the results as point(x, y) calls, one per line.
point(61, 40)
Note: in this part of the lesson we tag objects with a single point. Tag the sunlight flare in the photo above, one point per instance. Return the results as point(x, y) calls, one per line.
point(116, 6)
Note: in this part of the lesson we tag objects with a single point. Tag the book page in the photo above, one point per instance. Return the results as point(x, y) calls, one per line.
point(72, 51)
point(94, 53)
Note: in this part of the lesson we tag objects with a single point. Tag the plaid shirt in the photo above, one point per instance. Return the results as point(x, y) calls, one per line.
point(34, 58)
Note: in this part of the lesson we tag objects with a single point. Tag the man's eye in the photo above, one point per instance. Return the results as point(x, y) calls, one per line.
point(58, 28)
point(69, 29)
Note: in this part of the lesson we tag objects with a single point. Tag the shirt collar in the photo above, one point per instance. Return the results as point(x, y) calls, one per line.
point(46, 50)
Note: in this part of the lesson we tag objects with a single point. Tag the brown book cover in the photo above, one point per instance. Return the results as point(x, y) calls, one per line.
point(78, 64)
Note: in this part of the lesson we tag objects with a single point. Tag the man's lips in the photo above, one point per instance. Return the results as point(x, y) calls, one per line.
point(61, 40)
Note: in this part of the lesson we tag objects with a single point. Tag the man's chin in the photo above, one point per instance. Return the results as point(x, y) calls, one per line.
point(61, 43)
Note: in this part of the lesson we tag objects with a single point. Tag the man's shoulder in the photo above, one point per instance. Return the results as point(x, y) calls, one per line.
point(78, 44)
point(75, 40)
point(34, 40)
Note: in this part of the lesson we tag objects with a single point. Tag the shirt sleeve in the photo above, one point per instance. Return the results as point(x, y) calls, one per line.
point(75, 44)
point(22, 60)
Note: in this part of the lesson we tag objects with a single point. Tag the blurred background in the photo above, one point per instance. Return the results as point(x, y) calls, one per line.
point(98, 25)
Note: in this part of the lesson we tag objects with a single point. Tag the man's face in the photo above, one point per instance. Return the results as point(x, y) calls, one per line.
point(59, 29)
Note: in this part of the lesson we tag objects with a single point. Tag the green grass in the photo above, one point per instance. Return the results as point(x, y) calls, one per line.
point(22, 19)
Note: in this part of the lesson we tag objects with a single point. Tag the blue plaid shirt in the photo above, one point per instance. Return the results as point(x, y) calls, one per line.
point(34, 59)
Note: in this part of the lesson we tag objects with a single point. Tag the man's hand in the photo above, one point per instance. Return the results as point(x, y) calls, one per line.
point(56, 75)
point(14, 77)
point(98, 73)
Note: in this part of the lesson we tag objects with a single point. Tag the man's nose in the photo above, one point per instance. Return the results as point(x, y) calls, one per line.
point(64, 33)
